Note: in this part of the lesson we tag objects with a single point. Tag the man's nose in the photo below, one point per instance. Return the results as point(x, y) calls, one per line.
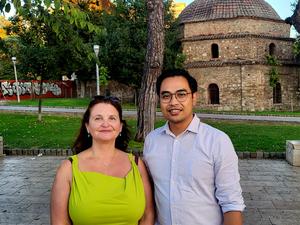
point(173, 99)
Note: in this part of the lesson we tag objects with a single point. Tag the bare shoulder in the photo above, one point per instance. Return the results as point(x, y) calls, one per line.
point(142, 167)
point(65, 169)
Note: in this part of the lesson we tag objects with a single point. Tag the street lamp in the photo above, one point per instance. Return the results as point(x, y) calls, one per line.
point(14, 59)
point(96, 50)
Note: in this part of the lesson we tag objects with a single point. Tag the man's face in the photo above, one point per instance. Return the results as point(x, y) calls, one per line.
point(176, 100)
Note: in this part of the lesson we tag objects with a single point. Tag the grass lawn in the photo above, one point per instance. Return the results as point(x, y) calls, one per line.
point(23, 131)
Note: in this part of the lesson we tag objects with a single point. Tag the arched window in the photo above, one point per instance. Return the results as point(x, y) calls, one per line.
point(214, 51)
point(272, 49)
point(213, 93)
point(277, 94)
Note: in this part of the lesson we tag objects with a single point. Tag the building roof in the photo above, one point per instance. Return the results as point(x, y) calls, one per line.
point(205, 10)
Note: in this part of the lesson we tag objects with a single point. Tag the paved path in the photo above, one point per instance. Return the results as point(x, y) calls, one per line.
point(134, 114)
point(271, 190)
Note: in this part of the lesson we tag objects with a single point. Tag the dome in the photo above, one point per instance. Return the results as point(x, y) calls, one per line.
point(204, 10)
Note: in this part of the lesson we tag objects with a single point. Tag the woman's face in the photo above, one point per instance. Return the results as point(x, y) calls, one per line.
point(104, 123)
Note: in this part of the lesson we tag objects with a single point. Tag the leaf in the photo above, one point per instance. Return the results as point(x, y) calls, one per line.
point(7, 7)
point(47, 3)
point(57, 4)
point(82, 24)
point(2, 4)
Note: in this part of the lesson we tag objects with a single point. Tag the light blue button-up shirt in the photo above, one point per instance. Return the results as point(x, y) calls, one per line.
point(195, 175)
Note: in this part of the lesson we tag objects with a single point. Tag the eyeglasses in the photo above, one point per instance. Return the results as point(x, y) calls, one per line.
point(180, 95)
point(107, 98)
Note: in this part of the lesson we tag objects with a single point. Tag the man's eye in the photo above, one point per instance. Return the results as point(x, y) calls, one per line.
point(181, 94)
point(166, 96)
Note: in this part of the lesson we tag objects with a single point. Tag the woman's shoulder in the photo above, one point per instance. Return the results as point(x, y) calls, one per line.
point(66, 164)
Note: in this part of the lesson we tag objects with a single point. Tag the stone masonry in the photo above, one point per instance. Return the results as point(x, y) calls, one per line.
point(243, 35)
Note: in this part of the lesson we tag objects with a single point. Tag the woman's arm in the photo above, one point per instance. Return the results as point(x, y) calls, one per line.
point(60, 194)
point(149, 214)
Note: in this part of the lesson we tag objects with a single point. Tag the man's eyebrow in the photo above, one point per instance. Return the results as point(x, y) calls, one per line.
point(163, 92)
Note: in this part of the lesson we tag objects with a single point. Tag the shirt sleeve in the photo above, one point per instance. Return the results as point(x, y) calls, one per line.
point(227, 177)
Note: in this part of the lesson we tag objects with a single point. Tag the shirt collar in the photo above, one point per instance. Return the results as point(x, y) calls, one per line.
point(193, 126)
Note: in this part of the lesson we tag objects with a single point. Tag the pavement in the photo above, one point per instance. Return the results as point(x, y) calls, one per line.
point(271, 189)
point(133, 113)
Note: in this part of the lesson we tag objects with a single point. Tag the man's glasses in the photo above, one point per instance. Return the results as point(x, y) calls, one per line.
point(180, 95)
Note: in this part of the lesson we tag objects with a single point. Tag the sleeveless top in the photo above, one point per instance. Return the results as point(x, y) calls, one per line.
point(97, 198)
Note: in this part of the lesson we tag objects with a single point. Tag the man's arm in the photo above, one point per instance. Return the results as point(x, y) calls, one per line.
point(233, 218)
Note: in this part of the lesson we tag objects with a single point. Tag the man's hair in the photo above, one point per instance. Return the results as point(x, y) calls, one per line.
point(176, 73)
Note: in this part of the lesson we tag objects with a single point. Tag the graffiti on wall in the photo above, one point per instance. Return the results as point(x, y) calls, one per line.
point(27, 89)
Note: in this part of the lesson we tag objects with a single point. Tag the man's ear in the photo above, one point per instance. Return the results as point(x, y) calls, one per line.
point(195, 97)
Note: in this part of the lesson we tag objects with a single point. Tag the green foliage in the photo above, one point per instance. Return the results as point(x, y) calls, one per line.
point(274, 74)
point(48, 44)
point(103, 74)
point(179, 62)
point(173, 58)
point(296, 47)
point(66, 33)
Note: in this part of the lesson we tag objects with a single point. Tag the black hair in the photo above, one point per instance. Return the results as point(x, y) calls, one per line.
point(83, 141)
point(176, 73)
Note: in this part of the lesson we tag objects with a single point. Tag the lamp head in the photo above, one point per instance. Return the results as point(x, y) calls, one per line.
point(14, 59)
point(96, 49)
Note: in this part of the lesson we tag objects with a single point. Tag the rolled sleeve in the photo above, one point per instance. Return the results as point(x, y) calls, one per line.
point(227, 177)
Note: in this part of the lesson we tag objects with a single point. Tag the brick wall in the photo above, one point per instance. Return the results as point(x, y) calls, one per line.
point(246, 87)
point(249, 48)
point(237, 25)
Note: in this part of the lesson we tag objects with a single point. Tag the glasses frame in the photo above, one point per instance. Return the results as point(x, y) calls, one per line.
point(174, 94)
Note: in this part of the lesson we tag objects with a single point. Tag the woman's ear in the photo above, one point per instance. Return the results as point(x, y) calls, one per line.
point(121, 127)
point(87, 129)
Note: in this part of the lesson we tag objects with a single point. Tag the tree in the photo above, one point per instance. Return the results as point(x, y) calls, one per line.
point(152, 68)
point(295, 18)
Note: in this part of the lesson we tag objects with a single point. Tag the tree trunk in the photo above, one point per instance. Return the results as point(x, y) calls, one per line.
point(295, 18)
point(82, 89)
point(40, 101)
point(152, 68)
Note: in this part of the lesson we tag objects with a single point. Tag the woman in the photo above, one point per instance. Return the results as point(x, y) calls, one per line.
point(102, 184)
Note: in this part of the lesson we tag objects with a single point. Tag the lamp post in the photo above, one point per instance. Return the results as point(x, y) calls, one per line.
point(14, 59)
point(96, 50)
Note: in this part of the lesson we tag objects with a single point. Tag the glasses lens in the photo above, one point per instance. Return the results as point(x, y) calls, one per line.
point(165, 97)
point(181, 95)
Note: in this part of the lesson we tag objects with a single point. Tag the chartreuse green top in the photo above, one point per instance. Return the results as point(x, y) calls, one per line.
point(97, 198)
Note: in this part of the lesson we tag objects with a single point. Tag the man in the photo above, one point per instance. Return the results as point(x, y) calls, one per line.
point(193, 165)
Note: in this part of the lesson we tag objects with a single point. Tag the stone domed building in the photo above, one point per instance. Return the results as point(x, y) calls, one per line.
point(226, 43)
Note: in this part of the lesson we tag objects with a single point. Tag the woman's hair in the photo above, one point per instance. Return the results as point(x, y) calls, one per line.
point(84, 141)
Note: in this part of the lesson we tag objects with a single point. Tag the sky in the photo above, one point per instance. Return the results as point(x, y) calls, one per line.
point(282, 7)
